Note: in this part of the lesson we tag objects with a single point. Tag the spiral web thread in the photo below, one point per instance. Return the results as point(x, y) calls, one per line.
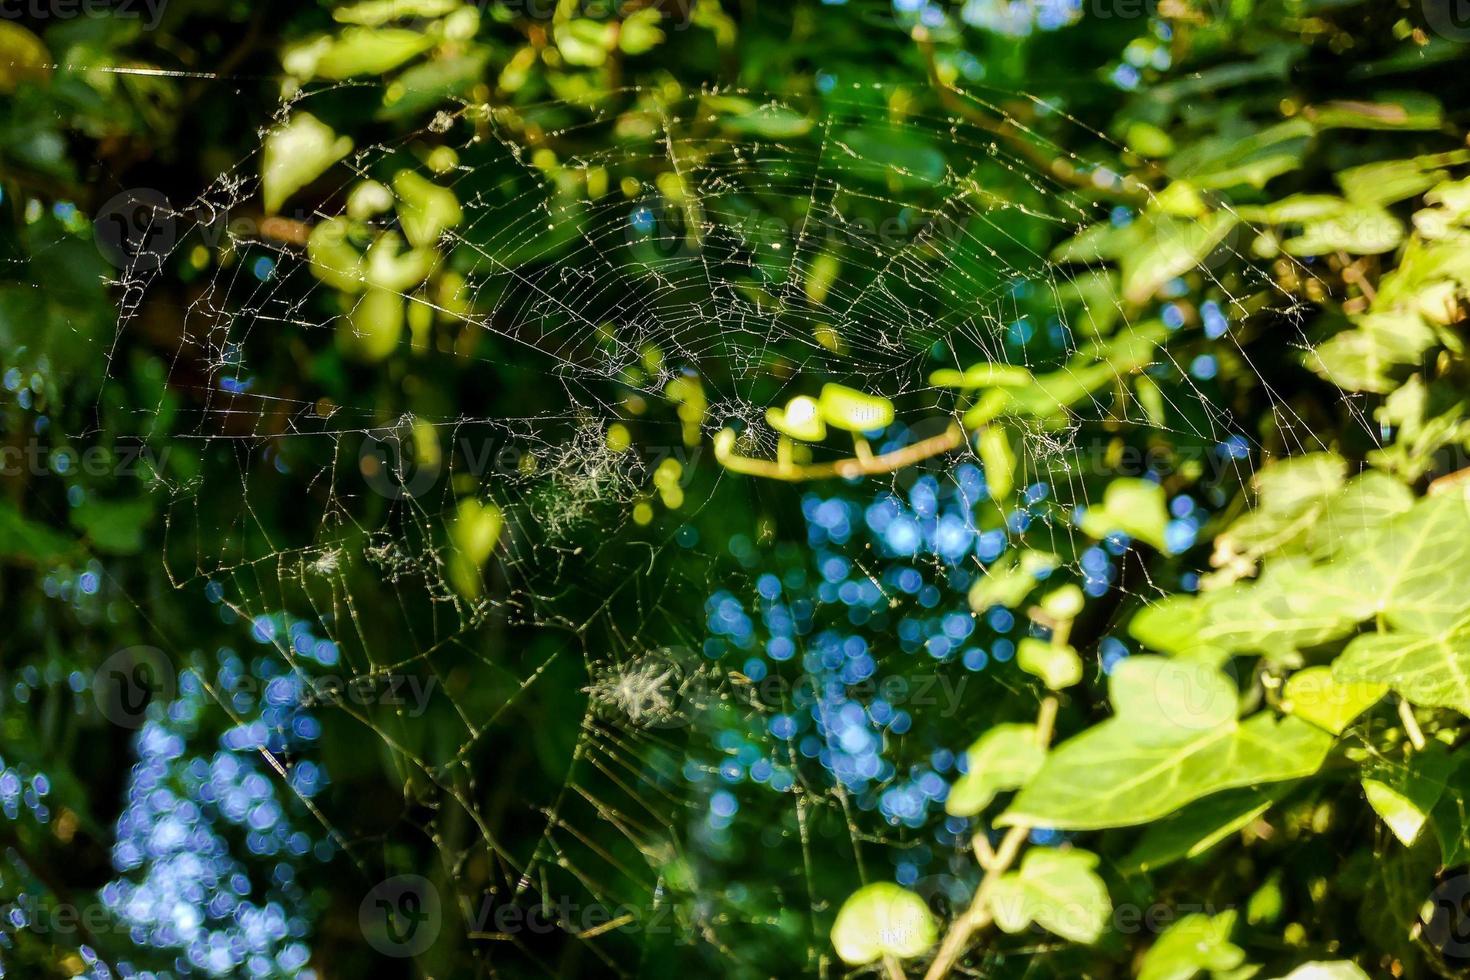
point(578, 592)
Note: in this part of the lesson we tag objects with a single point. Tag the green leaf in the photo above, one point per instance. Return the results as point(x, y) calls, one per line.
point(296, 154)
point(1174, 246)
point(114, 526)
point(1136, 507)
point(1174, 739)
point(1408, 110)
point(1355, 229)
point(1375, 353)
point(1199, 826)
point(1315, 695)
point(640, 31)
point(1008, 581)
point(1056, 889)
point(23, 56)
point(1004, 758)
point(374, 327)
point(1057, 666)
point(1173, 625)
point(1195, 944)
point(1403, 794)
point(800, 419)
point(854, 411)
point(1393, 180)
point(1294, 604)
point(585, 42)
point(998, 460)
point(1431, 669)
point(1451, 816)
point(425, 209)
point(372, 13)
point(893, 156)
point(25, 540)
point(358, 51)
point(766, 120)
point(1327, 970)
point(880, 920)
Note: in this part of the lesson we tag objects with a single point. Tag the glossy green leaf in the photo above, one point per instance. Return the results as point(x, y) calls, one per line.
point(998, 460)
point(1133, 506)
point(1199, 826)
point(1002, 759)
point(800, 419)
point(1315, 695)
point(296, 154)
point(1404, 793)
point(1007, 581)
point(1058, 890)
point(1057, 666)
point(1173, 739)
point(854, 411)
point(883, 919)
point(1195, 944)
point(359, 51)
point(425, 209)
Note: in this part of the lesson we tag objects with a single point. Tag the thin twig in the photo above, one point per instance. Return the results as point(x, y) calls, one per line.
point(854, 466)
point(979, 915)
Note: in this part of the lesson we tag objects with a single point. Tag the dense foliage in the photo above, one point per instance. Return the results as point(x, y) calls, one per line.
point(820, 488)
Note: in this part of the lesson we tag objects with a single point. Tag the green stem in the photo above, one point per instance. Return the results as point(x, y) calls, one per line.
point(1411, 726)
point(979, 915)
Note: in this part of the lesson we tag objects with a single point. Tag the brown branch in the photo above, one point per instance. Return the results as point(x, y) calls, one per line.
point(855, 466)
point(979, 914)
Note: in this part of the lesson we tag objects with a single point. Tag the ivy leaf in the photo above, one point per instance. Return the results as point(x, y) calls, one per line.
point(1173, 625)
point(1314, 695)
point(1404, 794)
point(1451, 816)
point(1057, 666)
point(998, 460)
point(1199, 826)
point(1293, 604)
point(1056, 889)
point(1175, 246)
point(1194, 944)
point(297, 153)
point(880, 920)
point(1173, 740)
point(1406, 110)
point(1008, 581)
point(362, 51)
point(1004, 758)
point(1355, 229)
point(854, 411)
point(1428, 669)
point(1417, 569)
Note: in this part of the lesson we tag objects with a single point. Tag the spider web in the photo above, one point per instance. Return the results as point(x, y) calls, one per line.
point(672, 265)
